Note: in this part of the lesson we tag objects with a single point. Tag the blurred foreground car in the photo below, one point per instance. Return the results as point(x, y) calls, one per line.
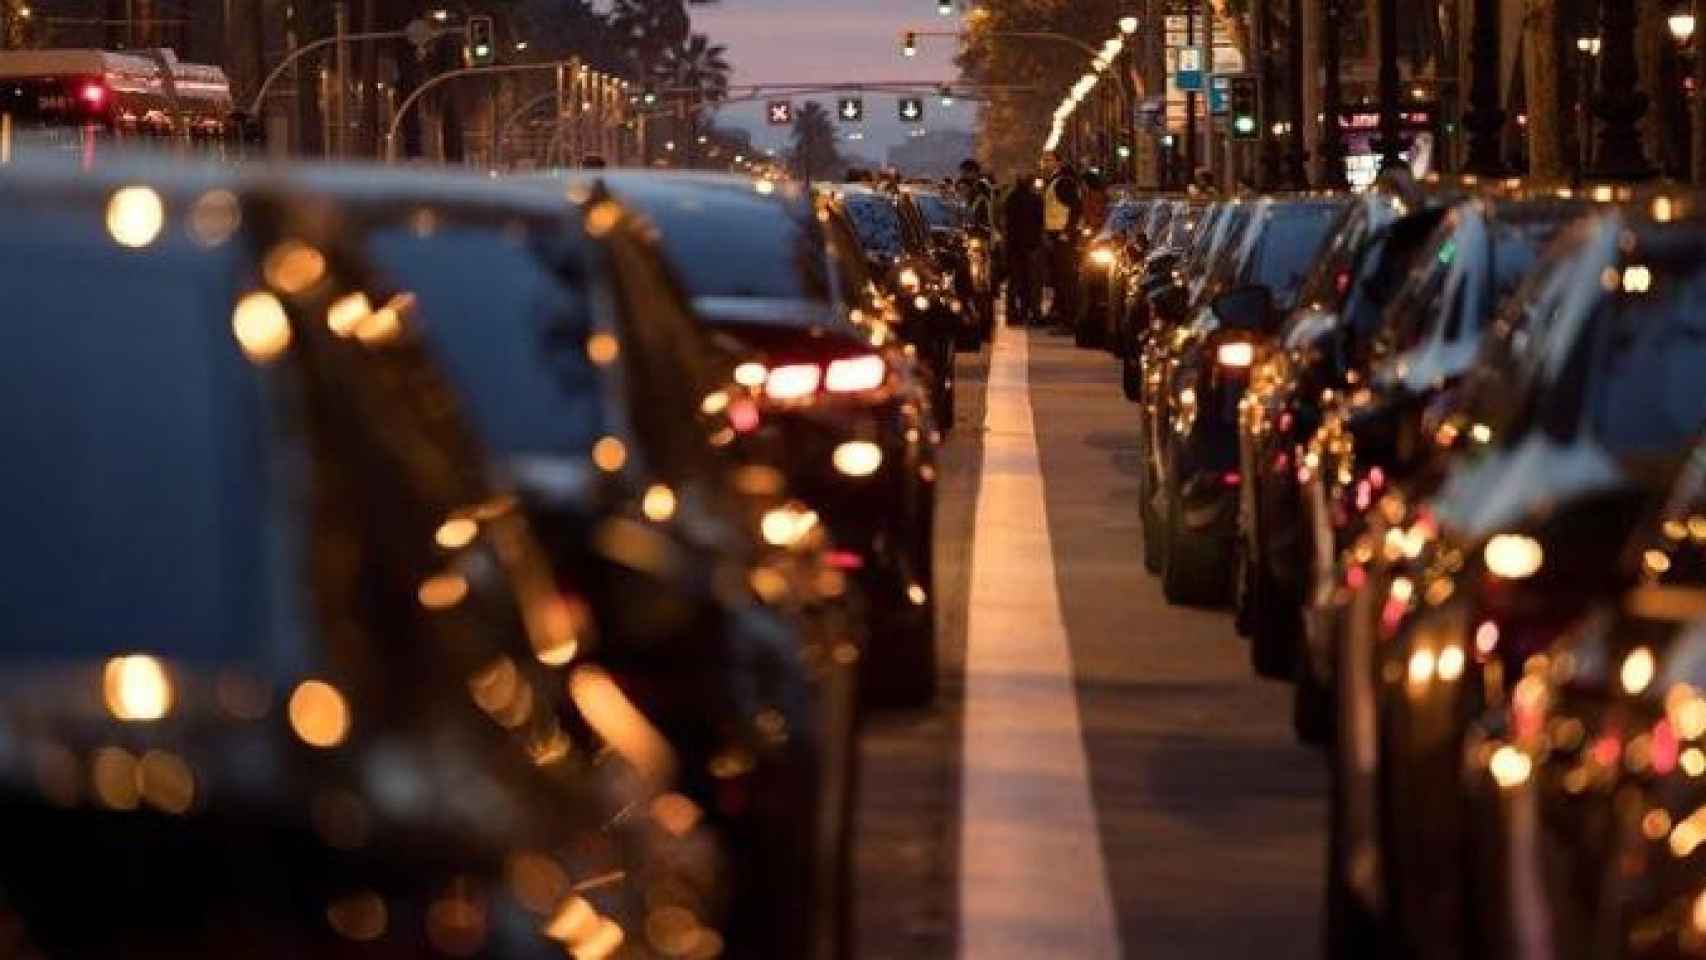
point(840, 412)
point(1588, 416)
point(285, 674)
point(1372, 436)
point(584, 374)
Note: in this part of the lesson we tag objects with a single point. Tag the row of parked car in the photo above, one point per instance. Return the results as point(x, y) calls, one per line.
point(1440, 446)
point(410, 564)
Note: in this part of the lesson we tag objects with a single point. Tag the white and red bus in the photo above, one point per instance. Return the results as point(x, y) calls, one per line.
point(86, 99)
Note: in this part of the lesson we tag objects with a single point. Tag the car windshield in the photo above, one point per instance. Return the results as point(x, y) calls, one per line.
point(877, 223)
point(938, 212)
point(1287, 248)
point(513, 343)
point(140, 473)
point(721, 244)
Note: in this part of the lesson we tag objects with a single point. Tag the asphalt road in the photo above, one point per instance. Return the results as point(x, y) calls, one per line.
point(1210, 819)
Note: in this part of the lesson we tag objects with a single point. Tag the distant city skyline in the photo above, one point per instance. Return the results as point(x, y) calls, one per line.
point(833, 41)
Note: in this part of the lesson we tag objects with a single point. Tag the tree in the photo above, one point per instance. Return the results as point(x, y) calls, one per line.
point(814, 153)
point(647, 30)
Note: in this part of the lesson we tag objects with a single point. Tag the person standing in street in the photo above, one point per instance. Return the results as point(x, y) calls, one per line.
point(1022, 224)
point(1063, 213)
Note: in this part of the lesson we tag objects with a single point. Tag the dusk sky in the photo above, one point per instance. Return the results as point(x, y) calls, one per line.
point(834, 41)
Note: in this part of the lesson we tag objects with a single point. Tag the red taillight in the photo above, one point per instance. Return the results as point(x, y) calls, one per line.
point(856, 374)
point(845, 560)
point(93, 94)
point(796, 381)
point(1231, 478)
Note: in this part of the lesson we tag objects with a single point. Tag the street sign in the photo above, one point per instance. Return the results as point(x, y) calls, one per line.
point(851, 110)
point(1217, 94)
point(911, 109)
point(780, 113)
point(1189, 76)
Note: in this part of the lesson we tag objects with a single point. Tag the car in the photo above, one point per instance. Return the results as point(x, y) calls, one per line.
point(1118, 238)
point(843, 419)
point(723, 620)
point(1584, 786)
point(1575, 428)
point(1369, 251)
point(1167, 308)
point(1138, 277)
point(1205, 366)
point(286, 671)
point(963, 250)
point(897, 251)
point(1371, 436)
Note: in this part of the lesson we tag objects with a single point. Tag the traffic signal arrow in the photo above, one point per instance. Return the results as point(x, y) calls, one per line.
point(781, 113)
point(852, 109)
point(911, 110)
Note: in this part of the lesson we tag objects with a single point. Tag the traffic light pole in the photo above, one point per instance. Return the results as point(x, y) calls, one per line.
point(415, 96)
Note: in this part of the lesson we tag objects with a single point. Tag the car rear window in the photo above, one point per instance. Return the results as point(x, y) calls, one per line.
point(1287, 248)
point(141, 462)
point(878, 225)
point(939, 213)
point(509, 332)
point(720, 244)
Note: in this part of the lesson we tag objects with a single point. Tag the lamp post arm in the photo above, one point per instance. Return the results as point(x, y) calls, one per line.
point(415, 95)
point(321, 44)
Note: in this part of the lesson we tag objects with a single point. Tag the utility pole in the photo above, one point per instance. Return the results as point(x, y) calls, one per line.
point(1333, 174)
point(1699, 117)
point(340, 88)
point(1296, 160)
point(1191, 7)
point(1391, 143)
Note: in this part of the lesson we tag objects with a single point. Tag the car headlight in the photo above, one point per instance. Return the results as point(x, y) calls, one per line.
point(1102, 257)
point(910, 281)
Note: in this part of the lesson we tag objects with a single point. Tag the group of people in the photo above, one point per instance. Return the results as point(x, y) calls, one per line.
point(1041, 221)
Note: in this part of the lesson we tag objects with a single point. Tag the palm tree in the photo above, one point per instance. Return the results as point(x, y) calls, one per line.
point(814, 142)
point(701, 66)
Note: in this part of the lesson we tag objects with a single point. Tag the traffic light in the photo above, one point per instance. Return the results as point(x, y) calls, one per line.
point(482, 45)
point(945, 7)
point(1242, 109)
point(909, 44)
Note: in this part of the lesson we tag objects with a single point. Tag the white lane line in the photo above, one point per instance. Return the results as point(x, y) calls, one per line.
point(1032, 880)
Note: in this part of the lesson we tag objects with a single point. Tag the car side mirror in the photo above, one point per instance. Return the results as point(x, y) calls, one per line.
point(1250, 307)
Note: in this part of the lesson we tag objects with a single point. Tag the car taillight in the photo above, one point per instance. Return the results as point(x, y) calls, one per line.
point(93, 94)
point(855, 374)
point(796, 381)
point(1235, 354)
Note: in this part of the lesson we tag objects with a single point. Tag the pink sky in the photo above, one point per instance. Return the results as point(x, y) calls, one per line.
point(833, 41)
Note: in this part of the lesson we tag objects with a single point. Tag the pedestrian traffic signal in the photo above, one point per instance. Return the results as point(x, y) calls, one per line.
point(911, 109)
point(909, 44)
point(1242, 109)
point(850, 110)
point(780, 113)
point(482, 43)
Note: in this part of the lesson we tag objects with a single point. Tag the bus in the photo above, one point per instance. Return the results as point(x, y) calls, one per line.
point(90, 100)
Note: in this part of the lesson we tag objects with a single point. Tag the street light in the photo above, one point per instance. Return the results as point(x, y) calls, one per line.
point(1681, 26)
point(1589, 46)
point(1128, 25)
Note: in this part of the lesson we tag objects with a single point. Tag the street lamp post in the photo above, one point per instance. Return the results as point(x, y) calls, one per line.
point(1391, 143)
point(1620, 103)
point(1296, 159)
point(1486, 119)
